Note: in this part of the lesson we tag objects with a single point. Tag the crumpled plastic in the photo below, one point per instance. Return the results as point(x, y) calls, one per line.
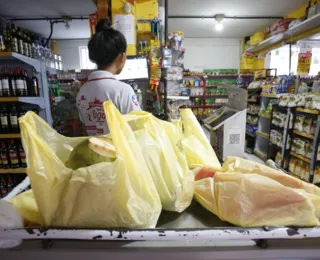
point(197, 147)
point(249, 194)
point(160, 145)
point(112, 194)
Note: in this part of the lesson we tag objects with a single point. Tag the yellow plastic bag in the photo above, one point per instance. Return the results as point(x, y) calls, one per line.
point(159, 142)
point(117, 194)
point(196, 146)
point(252, 200)
point(26, 204)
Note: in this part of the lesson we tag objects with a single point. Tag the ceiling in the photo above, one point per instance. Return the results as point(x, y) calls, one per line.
point(50, 8)
point(193, 28)
point(204, 28)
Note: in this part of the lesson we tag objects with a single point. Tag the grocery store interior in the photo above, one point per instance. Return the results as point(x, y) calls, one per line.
point(229, 88)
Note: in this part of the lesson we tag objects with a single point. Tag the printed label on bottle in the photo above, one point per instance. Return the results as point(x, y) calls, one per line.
point(5, 85)
point(14, 44)
point(26, 49)
point(4, 121)
point(13, 157)
point(14, 87)
point(21, 45)
point(14, 121)
point(4, 159)
point(20, 85)
point(1, 88)
point(23, 156)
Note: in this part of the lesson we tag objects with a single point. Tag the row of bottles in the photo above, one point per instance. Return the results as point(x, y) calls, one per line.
point(8, 182)
point(9, 115)
point(16, 83)
point(12, 154)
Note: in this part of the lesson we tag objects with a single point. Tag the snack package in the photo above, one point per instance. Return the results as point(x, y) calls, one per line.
point(284, 101)
point(298, 168)
point(292, 165)
point(316, 177)
point(299, 123)
point(109, 194)
point(307, 124)
point(313, 127)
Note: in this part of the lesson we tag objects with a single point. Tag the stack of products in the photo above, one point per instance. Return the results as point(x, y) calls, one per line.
point(15, 39)
point(279, 119)
point(12, 154)
point(305, 124)
point(267, 112)
point(276, 138)
point(300, 169)
point(213, 72)
point(302, 147)
point(14, 82)
point(278, 160)
point(253, 109)
point(253, 120)
point(8, 182)
point(9, 115)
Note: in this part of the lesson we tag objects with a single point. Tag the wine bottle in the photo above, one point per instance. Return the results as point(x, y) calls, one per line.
point(13, 154)
point(14, 39)
point(5, 82)
point(14, 120)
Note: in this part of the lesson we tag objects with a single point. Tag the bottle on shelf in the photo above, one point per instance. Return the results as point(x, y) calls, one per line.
point(35, 86)
point(1, 91)
point(20, 41)
point(2, 39)
point(22, 111)
point(29, 44)
point(19, 83)
point(4, 156)
point(13, 154)
point(3, 187)
point(26, 79)
point(4, 120)
point(14, 126)
point(7, 39)
point(5, 82)
point(25, 44)
point(22, 156)
point(12, 83)
point(14, 39)
point(9, 184)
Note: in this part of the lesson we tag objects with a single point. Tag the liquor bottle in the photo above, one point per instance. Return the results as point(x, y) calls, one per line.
point(4, 156)
point(9, 184)
point(307, 11)
point(30, 44)
point(7, 39)
point(4, 120)
point(5, 82)
point(22, 111)
point(26, 82)
point(14, 120)
point(20, 41)
point(22, 156)
point(2, 39)
point(1, 91)
point(35, 86)
point(12, 83)
point(13, 154)
point(3, 187)
point(25, 43)
point(14, 39)
point(19, 83)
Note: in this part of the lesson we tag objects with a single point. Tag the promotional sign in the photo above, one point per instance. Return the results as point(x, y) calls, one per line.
point(304, 61)
point(93, 20)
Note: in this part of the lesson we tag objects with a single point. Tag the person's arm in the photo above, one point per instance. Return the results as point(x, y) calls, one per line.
point(128, 101)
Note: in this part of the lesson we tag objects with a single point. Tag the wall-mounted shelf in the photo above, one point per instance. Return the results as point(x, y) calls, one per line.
point(303, 134)
point(308, 111)
point(307, 160)
point(264, 135)
point(306, 25)
point(13, 171)
point(8, 136)
point(13, 55)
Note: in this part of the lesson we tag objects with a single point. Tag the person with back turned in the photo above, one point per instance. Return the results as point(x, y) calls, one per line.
point(107, 48)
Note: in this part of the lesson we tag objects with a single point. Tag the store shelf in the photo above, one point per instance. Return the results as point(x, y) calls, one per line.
point(13, 171)
point(308, 111)
point(59, 99)
point(218, 96)
point(253, 114)
point(9, 99)
point(8, 136)
point(303, 134)
point(272, 95)
point(268, 42)
point(260, 155)
point(34, 100)
point(13, 55)
point(207, 106)
point(264, 135)
point(306, 25)
point(250, 134)
point(265, 116)
point(249, 122)
point(307, 160)
point(178, 97)
point(222, 76)
point(198, 96)
point(211, 86)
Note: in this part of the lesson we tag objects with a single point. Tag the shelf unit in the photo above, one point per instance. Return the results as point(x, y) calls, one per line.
point(13, 171)
point(287, 36)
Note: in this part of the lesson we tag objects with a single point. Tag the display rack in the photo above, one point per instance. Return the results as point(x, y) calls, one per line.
point(15, 59)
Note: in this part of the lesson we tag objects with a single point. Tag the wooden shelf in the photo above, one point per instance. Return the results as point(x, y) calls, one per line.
point(264, 135)
point(13, 171)
point(307, 160)
point(8, 136)
point(265, 116)
point(9, 99)
point(308, 111)
point(303, 134)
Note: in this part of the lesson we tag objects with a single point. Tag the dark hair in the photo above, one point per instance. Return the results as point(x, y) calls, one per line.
point(106, 45)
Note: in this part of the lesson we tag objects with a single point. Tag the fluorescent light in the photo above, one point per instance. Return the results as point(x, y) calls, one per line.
point(219, 26)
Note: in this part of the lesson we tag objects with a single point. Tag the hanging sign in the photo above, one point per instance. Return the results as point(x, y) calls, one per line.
point(304, 61)
point(93, 19)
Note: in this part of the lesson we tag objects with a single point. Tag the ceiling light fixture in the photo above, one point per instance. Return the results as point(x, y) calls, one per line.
point(219, 25)
point(67, 25)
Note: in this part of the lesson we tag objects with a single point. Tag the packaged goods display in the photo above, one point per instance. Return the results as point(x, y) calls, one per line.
point(253, 109)
point(12, 154)
point(9, 114)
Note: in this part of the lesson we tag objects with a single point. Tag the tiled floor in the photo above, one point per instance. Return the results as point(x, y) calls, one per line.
point(253, 157)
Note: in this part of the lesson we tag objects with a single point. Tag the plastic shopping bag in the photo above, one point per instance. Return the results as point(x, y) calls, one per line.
point(111, 194)
point(252, 200)
point(197, 147)
point(159, 142)
point(236, 164)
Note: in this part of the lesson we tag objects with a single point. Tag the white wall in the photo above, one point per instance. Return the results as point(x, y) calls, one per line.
point(211, 53)
point(69, 51)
